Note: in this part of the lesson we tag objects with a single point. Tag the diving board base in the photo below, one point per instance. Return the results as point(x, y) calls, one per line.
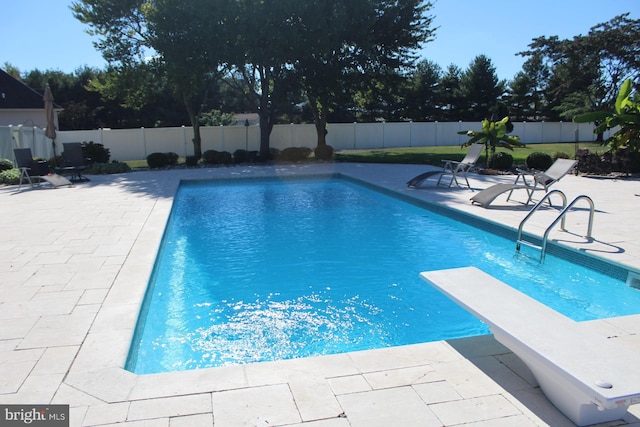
point(588, 377)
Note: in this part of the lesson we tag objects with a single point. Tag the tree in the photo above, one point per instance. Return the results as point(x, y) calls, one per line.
point(343, 39)
point(525, 96)
point(422, 92)
point(494, 133)
point(262, 46)
point(625, 117)
point(449, 94)
point(481, 88)
point(192, 55)
point(180, 33)
point(584, 72)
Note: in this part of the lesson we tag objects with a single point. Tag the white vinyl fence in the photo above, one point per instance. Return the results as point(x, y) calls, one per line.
point(137, 144)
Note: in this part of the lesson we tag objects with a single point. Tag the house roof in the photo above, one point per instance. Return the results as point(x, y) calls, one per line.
point(16, 95)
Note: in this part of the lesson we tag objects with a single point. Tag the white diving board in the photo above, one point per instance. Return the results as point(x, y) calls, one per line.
point(589, 378)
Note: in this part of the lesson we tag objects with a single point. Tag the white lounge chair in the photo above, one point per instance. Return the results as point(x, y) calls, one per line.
point(453, 168)
point(588, 377)
point(531, 182)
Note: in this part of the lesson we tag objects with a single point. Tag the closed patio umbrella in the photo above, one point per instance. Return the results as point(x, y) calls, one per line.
point(50, 130)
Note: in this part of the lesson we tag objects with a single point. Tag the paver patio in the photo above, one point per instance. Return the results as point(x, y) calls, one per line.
point(75, 262)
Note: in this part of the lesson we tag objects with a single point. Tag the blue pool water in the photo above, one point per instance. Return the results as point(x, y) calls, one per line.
point(256, 271)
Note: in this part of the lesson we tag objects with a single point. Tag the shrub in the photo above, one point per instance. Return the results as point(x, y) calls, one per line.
point(323, 152)
point(240, 156)
point(191, 160)
point(539, 161)
point(559, 155)
point(96, 152)
point(158, 160)
point(108, 168)
point(5, 165)
point(10, 176)
point(213, 157)
point(591, 163)
point(173, 158)
point(294, 154)
point(501, 161)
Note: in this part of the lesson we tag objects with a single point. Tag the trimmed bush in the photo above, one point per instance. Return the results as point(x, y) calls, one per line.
point(191, 160)
point(265, 158)
point(294, 154)
point(108, 168)
point(539, 161)
point(158, 160)
point(213, 157)
point(173, 158)
point(501, 161)
point(559, 155)
point(96, 152)
point(5, 165)
point(241, 156)
point(10, 176)
point(324, 152)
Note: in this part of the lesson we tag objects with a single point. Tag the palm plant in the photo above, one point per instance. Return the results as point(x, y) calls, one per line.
point(626, 116)
point(493, 134)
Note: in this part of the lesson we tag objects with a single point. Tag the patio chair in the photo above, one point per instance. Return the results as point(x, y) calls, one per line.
point(541, 182)
point(35, 171)
point(73, 161)
point(452, 168)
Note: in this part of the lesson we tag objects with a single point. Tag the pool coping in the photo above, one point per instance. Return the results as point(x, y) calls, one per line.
point(115, 326)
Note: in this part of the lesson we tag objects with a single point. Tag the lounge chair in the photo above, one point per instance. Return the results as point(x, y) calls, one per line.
point(35, 172)
point(537, 181)
point(453, 168)
point(73, 161)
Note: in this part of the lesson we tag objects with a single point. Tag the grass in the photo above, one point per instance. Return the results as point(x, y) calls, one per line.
point(435, 155)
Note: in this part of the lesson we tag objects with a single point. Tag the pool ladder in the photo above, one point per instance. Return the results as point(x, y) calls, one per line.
point(561, 217)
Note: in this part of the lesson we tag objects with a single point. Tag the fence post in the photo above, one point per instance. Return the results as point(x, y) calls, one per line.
point(184, 140)
point(435, 139)
point(143, 139)
point(355, 135)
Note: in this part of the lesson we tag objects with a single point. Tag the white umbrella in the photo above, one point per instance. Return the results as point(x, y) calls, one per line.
point(50, 130)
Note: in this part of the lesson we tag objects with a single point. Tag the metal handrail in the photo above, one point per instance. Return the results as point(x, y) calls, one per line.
point(562, 217)
point(535, 208)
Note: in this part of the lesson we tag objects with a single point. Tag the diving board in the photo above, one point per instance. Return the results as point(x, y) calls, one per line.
point(589, 378)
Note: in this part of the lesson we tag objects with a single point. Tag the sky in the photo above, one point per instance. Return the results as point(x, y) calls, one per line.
point(44, 35)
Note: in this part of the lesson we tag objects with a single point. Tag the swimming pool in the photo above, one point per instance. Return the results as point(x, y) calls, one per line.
point(266, 270)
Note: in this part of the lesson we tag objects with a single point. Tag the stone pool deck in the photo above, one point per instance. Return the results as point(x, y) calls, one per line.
point(74, 265)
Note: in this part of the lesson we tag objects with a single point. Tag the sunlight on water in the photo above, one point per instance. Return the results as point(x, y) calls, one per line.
point(254, 272)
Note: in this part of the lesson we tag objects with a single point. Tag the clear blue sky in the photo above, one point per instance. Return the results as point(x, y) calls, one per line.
point(43, 34)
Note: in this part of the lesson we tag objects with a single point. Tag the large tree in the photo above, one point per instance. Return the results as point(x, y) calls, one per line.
point(346, 38)
point(449, 94)
point(180, 34)
point(422, 95)
point(480, 88)
point(586, 71)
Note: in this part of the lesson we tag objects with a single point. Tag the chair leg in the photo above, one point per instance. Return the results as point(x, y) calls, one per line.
point(24, 174)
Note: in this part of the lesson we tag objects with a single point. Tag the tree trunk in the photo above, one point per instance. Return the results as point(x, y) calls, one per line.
point(319, 120)
point(195, 124)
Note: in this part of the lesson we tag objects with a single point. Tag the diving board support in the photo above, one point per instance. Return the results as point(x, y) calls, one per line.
point(587, 376)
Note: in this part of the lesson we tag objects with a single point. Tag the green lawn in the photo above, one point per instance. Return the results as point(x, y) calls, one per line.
point(435, 155)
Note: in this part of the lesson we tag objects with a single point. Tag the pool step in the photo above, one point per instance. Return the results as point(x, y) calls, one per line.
point(529, 244)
